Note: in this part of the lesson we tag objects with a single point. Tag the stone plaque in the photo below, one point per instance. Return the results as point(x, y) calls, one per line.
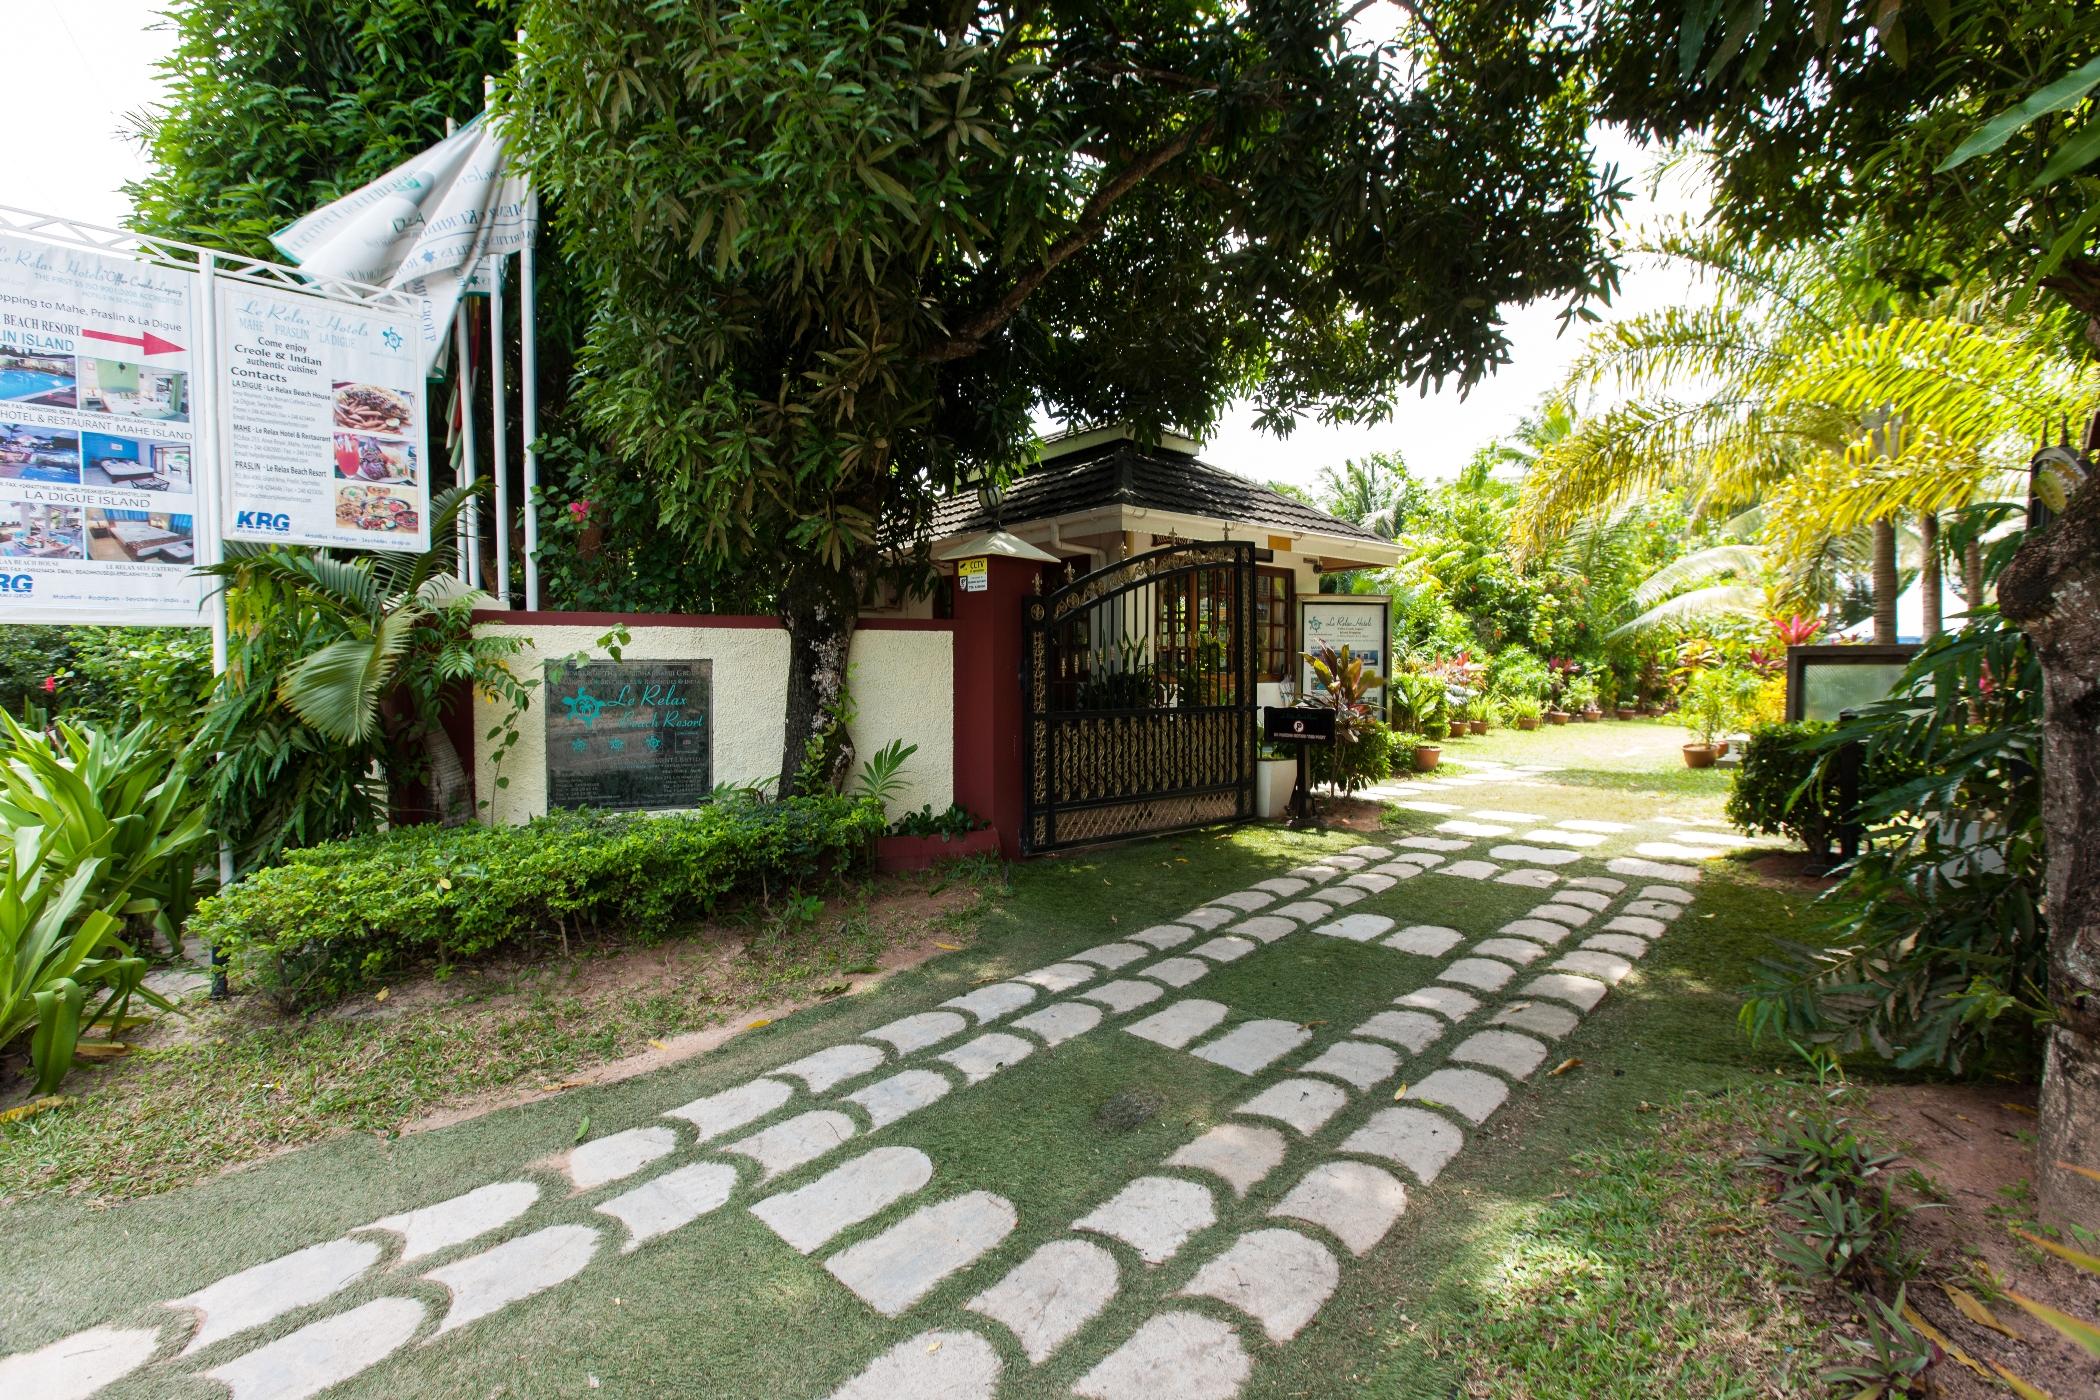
point(630, 735)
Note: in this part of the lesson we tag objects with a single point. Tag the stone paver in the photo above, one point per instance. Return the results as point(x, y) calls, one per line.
point(1248, 900)
point(1513, 950)
point(887, 1100)
point(1415, 1138)
point(1154, 1215)
point(1240, 1154)
point(733, 1108)
point(1305, 911)
point(1538, 930)
point(1313, 874)
point(1224, 948)
point(1112, 955)
point(320, 1355)
point(1210, 917)
point(667, 1202)
point(432, 1228)
point(1353, 1201)
point(1338, 896)
point(1354, 1061)
point(1369, 852)
point(1528, 878)
point(1424, 940)
point(1447, 1002)
point(1467, 1092)
point(1652, 870)
point(1177, 972)
point(1061, 977)
point(1057, 1024)
point(1668, 892)
point(1602, 966)
point(1277, 1277)
point(842, 1062)
point(1370, 881)
point(1177, 1025)
point(1410, 1029)
point(1344, 861)
point(1415, 861)
point(931, 1366)
point(1357, 928)
point(1633, 923)
point(74, 1367)
point(1174, 1356)
point(1492, 814)
point(985, 1056)
point(1585, 899)
point(1582, 839)
point(1559, 913)
point(1534, 855)
point(1514, 1055)
point(1264, 928)
point(1163, 936)
point(1580, 992)
point(1483, 973)
point(1419, 805)
point(515, 1269)
point(1623, 944)
point(1654, 909)
point(1049, 1296)
point(1675, 850)
point(1283, 886)
point(789, 1144)
point(913, 1033)
point(891, 1271)
point(1466, 828)
point(1470, 869)
point(255, 1296)
point(617, 1155)
point(1585, 824)
point(812, 1216)
point(1602, 884)
point(1125, 995)
point(1253, 1046)
point(1445, 844)
point(1538, 1017)
point(1303, 1104)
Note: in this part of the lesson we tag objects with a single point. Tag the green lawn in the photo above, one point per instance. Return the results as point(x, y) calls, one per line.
point(1584, 1243)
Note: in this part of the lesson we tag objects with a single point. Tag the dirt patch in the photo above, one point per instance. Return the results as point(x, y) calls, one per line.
point(1791, 869)
point(1974, 1144)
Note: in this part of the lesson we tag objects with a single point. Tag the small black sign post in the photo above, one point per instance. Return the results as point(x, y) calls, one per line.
point(1301, 728)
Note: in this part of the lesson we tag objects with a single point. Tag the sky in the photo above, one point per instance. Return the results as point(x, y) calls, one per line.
point(85, 66)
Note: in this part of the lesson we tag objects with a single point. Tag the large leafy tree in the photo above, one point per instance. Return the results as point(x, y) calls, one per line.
point(839, 253)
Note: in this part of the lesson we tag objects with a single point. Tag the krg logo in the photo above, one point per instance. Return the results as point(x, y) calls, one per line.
point(272, 521)
point(17, 583)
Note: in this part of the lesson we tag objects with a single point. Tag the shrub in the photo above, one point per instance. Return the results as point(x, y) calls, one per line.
point(341, 915)
point(1779, 790)
point(1517, 674)
point(1367, 758)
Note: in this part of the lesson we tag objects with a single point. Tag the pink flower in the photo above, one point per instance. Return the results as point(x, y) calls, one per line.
point(579, 509)
point(50, 685)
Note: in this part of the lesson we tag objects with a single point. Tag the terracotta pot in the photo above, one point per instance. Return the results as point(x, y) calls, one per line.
point(1720, 748)
point(1624, 712)
point(1479, 726)
point(1558, 716)
point(1527, 721)
point(1592, 716)
point(1427, 756)
point(1698, 756)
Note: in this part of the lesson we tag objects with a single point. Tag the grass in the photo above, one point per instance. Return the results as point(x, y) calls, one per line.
point(1581, 1246)
point(239, 1082)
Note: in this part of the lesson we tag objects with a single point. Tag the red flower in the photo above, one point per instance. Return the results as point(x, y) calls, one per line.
point(579, 509)
point(50, 685)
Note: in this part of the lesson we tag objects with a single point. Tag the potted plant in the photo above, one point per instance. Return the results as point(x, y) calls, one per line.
point(1581, 698)
point(1275, 775)
point(1625, 710)
point(1707, 703)
point(1524, 711)
point(1426, 754)
point(1492, 713)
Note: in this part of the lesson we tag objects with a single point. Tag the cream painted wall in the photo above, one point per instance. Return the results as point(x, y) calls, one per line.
point(903, 685)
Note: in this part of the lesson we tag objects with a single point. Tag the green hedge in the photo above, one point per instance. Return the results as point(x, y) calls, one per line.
point(345, 914)
point(1777, 761)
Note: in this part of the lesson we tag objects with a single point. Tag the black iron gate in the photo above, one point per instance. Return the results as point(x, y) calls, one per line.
point(1137, 683)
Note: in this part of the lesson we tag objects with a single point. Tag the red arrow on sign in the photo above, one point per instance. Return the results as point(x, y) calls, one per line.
point(150, 343)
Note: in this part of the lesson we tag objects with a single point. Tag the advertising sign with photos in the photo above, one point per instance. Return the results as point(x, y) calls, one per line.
point(327, 422)
point(98, 495)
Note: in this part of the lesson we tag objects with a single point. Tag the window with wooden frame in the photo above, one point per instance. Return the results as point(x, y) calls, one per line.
point(1276, 658)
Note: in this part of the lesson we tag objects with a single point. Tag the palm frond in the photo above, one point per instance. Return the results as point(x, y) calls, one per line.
point(1701, 566)
point(1699, 605)
point(336, 688)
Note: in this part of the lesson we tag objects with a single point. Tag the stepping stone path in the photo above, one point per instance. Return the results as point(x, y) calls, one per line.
point(1268, 1264)
point(891, 1271)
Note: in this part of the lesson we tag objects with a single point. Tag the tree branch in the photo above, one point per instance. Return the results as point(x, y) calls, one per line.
point(969, 338)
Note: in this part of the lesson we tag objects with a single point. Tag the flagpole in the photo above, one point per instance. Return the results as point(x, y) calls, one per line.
point(208, 524)
point(467, 530)
point(501, 444)
point(528, 356)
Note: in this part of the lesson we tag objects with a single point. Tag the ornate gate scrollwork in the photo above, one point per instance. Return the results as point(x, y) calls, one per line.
point(1138, 691)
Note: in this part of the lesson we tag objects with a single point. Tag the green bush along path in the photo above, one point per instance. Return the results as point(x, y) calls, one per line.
point(1238, 1113)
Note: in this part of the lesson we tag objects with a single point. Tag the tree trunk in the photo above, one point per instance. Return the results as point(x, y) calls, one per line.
point(2052, 590)
point(448, 778)
point(1885, 581)
point(820, 631)
point(1972, 574)
point(1929, 571)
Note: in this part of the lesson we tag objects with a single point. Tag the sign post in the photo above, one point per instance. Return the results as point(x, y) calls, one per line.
point(1301, 728)
point(1362, 622)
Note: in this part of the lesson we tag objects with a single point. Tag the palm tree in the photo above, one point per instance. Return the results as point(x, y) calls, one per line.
point(384, 634)
point(1376, 492)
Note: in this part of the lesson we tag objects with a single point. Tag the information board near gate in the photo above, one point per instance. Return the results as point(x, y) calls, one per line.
point(630, 735)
